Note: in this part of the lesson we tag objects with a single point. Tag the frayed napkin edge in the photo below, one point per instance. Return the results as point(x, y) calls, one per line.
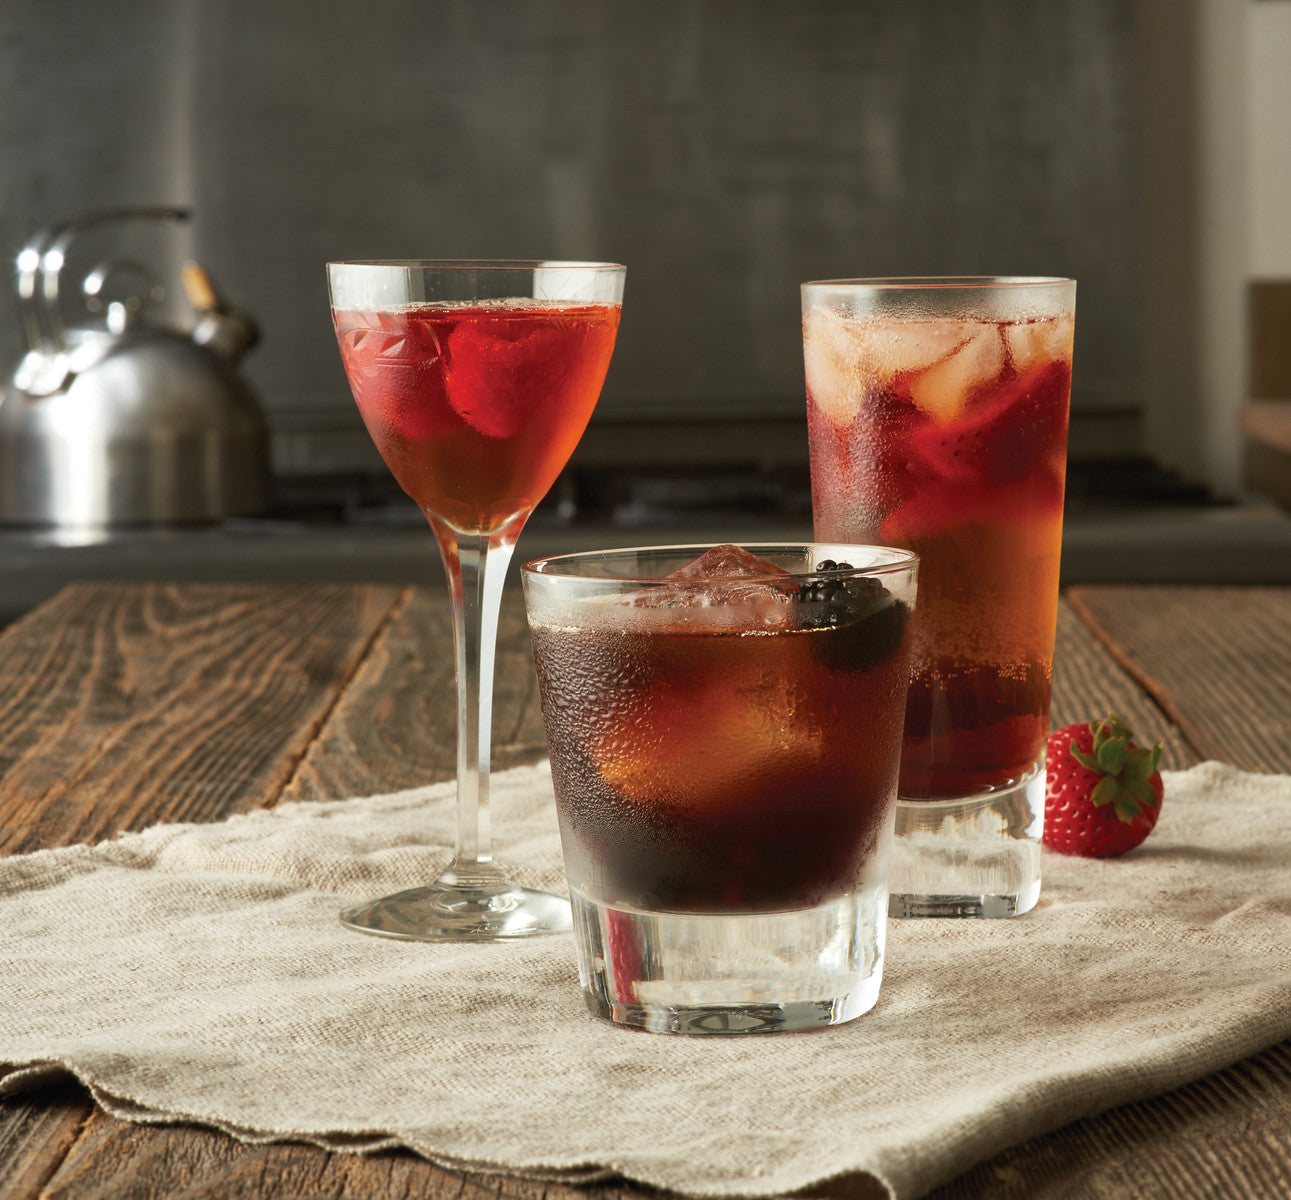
point(15, 1079)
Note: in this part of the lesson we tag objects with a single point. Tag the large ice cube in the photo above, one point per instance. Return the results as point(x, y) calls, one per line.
point(944, 388)
point(726, 561)
point(723, 577)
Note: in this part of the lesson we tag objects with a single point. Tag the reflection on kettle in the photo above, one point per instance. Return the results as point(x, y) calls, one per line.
point(132, 424)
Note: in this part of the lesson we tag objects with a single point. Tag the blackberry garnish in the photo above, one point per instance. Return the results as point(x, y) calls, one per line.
point(847, 599)
point(869, 619)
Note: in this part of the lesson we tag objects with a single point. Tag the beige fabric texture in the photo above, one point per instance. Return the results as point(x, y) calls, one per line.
point(200, 973)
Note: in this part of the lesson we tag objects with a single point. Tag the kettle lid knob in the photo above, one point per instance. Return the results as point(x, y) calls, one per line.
point(221, 327)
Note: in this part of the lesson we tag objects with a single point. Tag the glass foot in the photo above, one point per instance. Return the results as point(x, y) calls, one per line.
point(440, 913)
point(974, 857)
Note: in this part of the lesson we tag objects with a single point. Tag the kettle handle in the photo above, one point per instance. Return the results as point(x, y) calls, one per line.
point(41, 261)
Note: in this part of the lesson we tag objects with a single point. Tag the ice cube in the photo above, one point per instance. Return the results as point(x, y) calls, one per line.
point(695, 749)
point(723, 577)
point(905, 346)
point(835, 358)
point(726, 561)
point(847, 357)
point(944, 388)
point(1031, 342)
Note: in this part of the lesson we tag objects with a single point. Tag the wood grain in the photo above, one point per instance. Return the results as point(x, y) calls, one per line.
point(1269, 318)
point(1088, 683)
point(387, 721)
point(1224, 1136)
point(128, 705)
point(37, 1131)
point(1217, 660)
point(395, 727)
point(114, 1160)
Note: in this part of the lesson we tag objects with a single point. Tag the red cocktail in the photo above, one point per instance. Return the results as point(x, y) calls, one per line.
point(476, 408)
point(475, 380)
point(937, 413)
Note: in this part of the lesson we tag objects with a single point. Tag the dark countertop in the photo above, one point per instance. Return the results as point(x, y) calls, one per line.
point(1237, 543)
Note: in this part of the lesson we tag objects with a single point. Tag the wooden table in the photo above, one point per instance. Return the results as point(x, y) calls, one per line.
point(124, 705)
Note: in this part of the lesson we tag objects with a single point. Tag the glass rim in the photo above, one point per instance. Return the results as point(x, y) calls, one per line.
point(899, 560)
point(477, 264)
point(931, 282)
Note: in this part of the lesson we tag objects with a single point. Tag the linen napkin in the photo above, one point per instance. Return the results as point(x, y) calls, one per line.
point(199, 973)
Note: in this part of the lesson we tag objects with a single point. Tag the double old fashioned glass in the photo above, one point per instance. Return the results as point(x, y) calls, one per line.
point(727, 851)
point(475, 381)
point(937, 411)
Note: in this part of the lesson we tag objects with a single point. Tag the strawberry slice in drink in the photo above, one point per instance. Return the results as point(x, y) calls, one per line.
point(867, 466)
point(499, 370)
point(1006, 434)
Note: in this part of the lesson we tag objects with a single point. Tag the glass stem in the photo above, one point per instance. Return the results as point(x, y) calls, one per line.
point(476, 566)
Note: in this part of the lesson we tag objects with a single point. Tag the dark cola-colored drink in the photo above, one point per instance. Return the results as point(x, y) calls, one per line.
point(737, 754)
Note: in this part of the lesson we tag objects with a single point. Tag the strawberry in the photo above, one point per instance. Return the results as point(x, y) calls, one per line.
point(1102, 792)
point(502, 371)
point(1000, 437)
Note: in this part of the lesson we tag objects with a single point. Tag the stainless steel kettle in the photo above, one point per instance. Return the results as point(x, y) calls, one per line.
point(135, 423)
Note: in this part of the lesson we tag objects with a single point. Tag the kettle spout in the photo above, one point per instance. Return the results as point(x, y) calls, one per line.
point(226, 330)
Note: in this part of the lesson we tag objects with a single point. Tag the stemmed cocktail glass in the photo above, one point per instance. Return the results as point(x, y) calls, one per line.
point(476, 381)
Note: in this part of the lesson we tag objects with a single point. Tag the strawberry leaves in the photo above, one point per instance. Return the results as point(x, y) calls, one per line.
point(1125, 769)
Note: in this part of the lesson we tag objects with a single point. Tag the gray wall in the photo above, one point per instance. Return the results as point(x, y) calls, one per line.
point(725, 151)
